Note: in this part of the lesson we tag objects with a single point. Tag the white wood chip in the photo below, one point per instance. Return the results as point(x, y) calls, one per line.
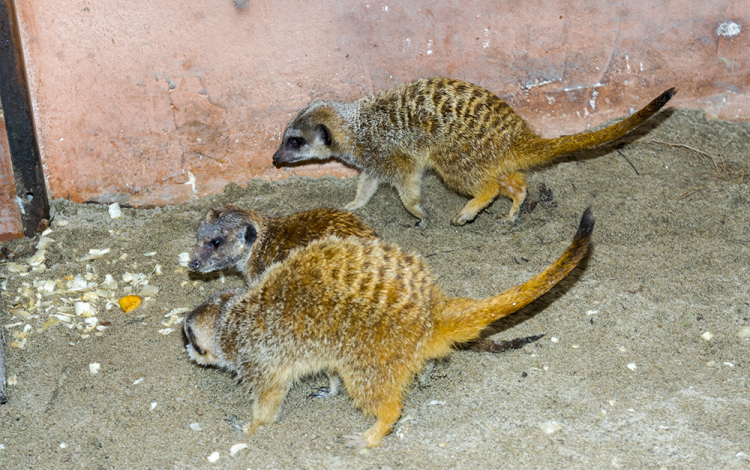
point(632, 366)
point(236, 448)
point(94, 367)
point(196, 427)
point(213, 457)
point(114, 211)
point(707, 336)
point(183, 258)
point(550, 427)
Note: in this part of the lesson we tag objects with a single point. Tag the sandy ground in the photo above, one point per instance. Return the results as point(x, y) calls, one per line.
point(644, 363)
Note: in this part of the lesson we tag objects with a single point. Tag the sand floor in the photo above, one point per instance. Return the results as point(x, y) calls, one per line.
point(645, 362)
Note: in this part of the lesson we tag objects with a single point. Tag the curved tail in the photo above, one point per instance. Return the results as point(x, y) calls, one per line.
point(551, 148)
point(461, 319)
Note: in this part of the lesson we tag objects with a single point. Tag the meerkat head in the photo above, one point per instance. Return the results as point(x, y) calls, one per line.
point(225, 239)
point(199, 327)
point(312, 134)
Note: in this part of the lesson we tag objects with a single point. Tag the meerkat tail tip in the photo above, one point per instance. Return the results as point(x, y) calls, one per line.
point(586, 227)
point(662, 99)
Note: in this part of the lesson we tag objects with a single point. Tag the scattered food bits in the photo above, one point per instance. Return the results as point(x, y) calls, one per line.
point(63, 445)
point(157, 269)
point(236, 448)
point(95, 254)
point(166, 331)
point(94, 367)
point(196, 427)
point(183, 258)
point(12, 380)
point(129, 303)
point(149, 291)
point(84, 309)
point(550, 427)
point(153, 405)
point(622, 349)
point(575, 346)
point(138, 381)
point(729, 364)
point(602, 413)
point(744, 332)
point(707, 336)
point(149, 254)
point(213, 457)
point(554, 340)
point(592, 312)
point(632, 366)
point(114, 211)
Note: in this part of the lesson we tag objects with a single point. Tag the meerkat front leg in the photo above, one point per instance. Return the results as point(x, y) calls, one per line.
point(266, 406)
point(487, 194)
point(366, 187)
point(514, 187)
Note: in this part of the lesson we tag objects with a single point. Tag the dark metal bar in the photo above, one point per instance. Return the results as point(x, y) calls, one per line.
point(19, 124)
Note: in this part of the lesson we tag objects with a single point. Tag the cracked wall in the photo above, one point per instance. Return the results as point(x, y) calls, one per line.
point(151, 103)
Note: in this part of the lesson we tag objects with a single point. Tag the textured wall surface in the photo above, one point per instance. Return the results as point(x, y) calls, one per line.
point(160, 102)
point(10, 215)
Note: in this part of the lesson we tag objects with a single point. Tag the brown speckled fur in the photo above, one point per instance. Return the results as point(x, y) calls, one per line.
point(469, 136)
point(361, 308)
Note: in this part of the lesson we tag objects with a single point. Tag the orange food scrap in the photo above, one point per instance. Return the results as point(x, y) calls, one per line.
point(129, 303)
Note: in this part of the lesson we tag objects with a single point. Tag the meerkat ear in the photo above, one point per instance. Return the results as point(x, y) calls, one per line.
point(323, 135)
point(211, 215)
point(250, 234)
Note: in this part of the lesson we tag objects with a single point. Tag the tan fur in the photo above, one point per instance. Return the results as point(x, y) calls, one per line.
point(361, 308)
point(472, 138)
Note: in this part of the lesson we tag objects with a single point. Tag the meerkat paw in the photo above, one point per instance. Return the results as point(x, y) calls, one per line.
point(462, 219)
point(249, 429)
point(354, 205)
point(356, 441)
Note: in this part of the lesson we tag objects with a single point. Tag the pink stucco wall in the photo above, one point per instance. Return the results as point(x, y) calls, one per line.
point(131, 97)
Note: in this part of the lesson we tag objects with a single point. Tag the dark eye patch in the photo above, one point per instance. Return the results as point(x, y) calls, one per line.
point(295, 142)
point(215, 243)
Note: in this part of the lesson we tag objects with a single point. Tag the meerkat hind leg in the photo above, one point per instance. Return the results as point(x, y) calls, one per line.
point(514, 187)
point(387, 416)
point(366, 187)
point(486, 195)
point(409, 192)
point(266, 406)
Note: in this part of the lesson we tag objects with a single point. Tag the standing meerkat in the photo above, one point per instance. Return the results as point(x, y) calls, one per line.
point(469, 136)
point(247, 241)
point(361, 308)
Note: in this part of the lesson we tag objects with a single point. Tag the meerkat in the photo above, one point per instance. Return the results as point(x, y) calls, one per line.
point(362, 308)
point(469, 136)
point(247, 241)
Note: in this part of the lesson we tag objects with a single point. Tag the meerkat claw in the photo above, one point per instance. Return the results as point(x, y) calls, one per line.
point(322, 392)
point(355, 441)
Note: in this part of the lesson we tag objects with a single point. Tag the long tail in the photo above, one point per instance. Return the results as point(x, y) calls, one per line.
point(461, 319)
point(546, 149)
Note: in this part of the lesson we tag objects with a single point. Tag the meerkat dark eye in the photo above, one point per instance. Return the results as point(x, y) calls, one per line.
point(250, 234)
point(215, 243)
point(295, 142)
